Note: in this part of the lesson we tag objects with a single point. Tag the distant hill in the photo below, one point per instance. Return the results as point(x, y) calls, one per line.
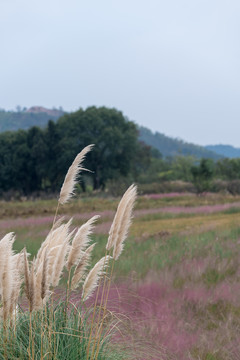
point(39, 116)
point(225, 150)
point(171, 147)
point(36, 115)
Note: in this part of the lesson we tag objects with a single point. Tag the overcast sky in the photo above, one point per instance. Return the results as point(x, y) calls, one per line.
point(173, 66)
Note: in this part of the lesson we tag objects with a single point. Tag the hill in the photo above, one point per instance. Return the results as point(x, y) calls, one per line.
point(225, 150)
point(171, 147)
point(35, 116)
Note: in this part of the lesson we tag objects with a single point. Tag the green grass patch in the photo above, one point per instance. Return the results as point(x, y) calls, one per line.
point(53, 333)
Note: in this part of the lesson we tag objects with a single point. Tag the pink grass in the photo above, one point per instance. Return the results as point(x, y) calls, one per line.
point(47, 220)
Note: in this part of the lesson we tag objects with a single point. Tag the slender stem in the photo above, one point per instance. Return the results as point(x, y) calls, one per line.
point(99, 315)
point(32, 338)
point(5, 339)
point(104, 312)
point(55, 216)
point(94, 309)
point(15, 319)
point(67, 294)
point(42, 332)
point(30, 335)
point(54, 338)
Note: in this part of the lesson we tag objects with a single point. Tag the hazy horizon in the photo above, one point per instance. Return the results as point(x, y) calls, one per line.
point(170, 66)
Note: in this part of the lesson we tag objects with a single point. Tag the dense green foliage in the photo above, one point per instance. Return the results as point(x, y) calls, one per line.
point(51, 335)
point(202, 175)
point(38, 159)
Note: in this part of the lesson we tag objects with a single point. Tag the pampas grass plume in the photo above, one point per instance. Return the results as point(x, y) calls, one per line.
point(7, 272)
point(95, 273)
point(80, 241)
point(81, 267)
point(124, 223)
point(70, 180)
point(117, 218)
point(120, 216)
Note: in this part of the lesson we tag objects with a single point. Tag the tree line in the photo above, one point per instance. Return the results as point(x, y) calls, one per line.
point(37, 159)
point(205, 174)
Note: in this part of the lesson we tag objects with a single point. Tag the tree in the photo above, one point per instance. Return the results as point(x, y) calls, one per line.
point(228, 169)
point(203, 174)
point(54, 176)
point(115, 139)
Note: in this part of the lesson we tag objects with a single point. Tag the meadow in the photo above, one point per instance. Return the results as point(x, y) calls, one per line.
point(176, 286)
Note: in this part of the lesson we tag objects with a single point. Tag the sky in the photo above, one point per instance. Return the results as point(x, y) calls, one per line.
point(172, 66)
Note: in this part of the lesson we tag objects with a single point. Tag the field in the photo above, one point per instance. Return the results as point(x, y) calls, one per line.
point(176, 284)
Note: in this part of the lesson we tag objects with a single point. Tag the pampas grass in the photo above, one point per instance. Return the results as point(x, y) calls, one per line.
point(70, 180)
point(91, 280)
point(113, 233)
point(64, 250)
point(124, 222)
point(81, 267)
point(80, 241)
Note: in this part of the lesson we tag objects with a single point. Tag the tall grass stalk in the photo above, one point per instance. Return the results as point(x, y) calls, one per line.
point(95, 306)
point(98, 338)
point(117, 236)
point(126, 202)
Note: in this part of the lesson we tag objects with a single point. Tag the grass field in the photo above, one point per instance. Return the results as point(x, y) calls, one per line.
point(177, 281)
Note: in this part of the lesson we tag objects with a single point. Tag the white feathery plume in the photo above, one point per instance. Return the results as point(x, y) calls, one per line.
point(124, 224)
point(52, 254)
point(58, 223)
point(55, 247)
point(60, 263)
point(7, 272)
point(18, 272)
point(117, 221)
point(81, 267)
point(18, 262)
point(53, 239)
point(5, 245)
point(91, 280)
point(38, 282)
point(60, 260)
point(80, 241)
point(41, 282)
point(70, 180)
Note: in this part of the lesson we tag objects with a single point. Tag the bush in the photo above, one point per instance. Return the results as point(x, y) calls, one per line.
point(166, 187)
point(233, 187)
